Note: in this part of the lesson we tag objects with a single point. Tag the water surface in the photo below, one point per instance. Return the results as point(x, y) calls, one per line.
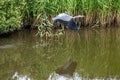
point(97, 53)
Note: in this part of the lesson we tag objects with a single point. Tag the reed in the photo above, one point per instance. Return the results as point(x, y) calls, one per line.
point(27, 12)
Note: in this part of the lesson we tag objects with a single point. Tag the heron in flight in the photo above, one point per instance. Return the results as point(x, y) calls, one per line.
point(67, 20)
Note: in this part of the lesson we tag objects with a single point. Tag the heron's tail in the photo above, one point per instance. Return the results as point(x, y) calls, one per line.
point(78, 16)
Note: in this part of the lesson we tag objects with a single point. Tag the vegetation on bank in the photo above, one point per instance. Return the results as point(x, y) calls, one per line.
point(20, 13)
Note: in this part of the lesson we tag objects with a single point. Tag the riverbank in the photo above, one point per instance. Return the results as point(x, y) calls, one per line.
point(15, 14)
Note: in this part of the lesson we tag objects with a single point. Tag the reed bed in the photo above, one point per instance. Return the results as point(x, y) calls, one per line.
point(17, 13)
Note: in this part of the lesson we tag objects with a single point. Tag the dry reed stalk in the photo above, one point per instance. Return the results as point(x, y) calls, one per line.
point(118, 19)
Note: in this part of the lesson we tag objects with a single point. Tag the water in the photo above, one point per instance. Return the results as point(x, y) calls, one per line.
point(24, 56)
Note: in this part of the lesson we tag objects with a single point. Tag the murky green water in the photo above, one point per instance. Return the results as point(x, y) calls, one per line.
point(97, 53)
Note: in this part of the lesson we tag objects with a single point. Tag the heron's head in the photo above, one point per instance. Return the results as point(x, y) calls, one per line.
point(72, 25)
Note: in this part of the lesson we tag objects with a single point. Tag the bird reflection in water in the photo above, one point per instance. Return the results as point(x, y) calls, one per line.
point(66, 72)
point(68, 69)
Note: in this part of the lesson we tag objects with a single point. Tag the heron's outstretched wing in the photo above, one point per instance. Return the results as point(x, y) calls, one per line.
point(78, 16)
point(63, 17)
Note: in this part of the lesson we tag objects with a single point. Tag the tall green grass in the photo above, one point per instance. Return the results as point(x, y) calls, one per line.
point(14, 13)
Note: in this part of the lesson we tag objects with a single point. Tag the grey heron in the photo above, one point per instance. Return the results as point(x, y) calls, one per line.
point(67, 20)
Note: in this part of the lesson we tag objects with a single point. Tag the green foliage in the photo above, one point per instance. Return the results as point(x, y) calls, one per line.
point(10, 15)
point(13, 13)
point(44, 27)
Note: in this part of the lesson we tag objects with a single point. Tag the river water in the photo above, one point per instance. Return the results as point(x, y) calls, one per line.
point(25, 56)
